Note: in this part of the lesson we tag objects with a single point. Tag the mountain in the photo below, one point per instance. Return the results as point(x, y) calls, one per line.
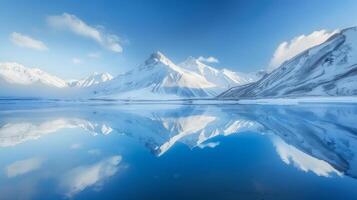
point(159, 78)
point(15, 73)
point(223, 78)
point(329, 69)
point(157, 75)
point(94, 79)
point(17, 80)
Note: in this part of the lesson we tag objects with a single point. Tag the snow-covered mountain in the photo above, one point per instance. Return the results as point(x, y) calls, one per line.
point(159, 78)
point(221, 78)
point(94, 79)
point(16, 80)
point(157, 75)
point(329, 69)
point(15, 73)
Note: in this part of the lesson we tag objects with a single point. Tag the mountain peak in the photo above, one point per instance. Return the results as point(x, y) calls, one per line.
point(193, 64)
point(158, 57)
point(192, 60)
point(93, 79)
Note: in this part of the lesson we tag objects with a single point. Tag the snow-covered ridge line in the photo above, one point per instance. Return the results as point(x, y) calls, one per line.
point(328, 69)
point(157, 78)
point(15, 73)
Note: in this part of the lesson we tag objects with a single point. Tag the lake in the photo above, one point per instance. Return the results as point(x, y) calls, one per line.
point(52, 150)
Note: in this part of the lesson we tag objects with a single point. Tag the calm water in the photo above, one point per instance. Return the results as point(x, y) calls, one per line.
point(178, 151)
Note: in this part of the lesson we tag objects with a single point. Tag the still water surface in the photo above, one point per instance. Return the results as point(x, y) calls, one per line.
point(178, 151)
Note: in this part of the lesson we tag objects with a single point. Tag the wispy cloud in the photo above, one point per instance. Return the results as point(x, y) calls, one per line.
point(23, 167)
point(27, 42)
point(94, 55)
point(288, 49)
point(74, 24)
point(76, 61)
point(208, 59)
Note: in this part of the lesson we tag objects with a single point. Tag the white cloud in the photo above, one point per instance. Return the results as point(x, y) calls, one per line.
point(288, 49)
point(82, 177)
point(26, 41)
point(94, 55)
point(76, 61)
point(209, 59)
point(74, 24)
point(23, 166)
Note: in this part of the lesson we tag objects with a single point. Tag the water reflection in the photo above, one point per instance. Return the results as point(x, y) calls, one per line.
point(321, 139)
point(81, 177)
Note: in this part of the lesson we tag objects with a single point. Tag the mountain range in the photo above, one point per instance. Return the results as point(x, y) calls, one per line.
point(328, 69)
point(157, 78)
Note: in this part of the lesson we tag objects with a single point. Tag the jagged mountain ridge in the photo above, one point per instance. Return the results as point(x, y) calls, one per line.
point(329, 69)
point(222, 78)
point(158, 77)
point(94, 79)
point(14, 73)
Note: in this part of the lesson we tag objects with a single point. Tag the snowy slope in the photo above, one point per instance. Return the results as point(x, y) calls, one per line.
point(15, 73)
point(329, 69)
point(159, 78)
point(17, 80)
point(94, 79)
point(222, 78)
point(158, 75)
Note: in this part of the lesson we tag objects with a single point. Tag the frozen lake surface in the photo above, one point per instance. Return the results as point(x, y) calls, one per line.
point(104, 150)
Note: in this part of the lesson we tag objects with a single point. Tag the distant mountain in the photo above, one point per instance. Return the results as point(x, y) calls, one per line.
point(14, 73)
point(17, 80)
point(159, 78)
point(94, 79)
point(329, 69)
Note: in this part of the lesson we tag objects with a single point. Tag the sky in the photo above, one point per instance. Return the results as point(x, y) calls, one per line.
point(72, 39)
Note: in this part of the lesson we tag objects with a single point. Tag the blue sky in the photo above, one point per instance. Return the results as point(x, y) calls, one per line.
point(242, 35)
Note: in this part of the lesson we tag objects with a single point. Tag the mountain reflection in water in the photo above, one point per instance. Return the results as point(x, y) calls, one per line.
point(321, 139)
